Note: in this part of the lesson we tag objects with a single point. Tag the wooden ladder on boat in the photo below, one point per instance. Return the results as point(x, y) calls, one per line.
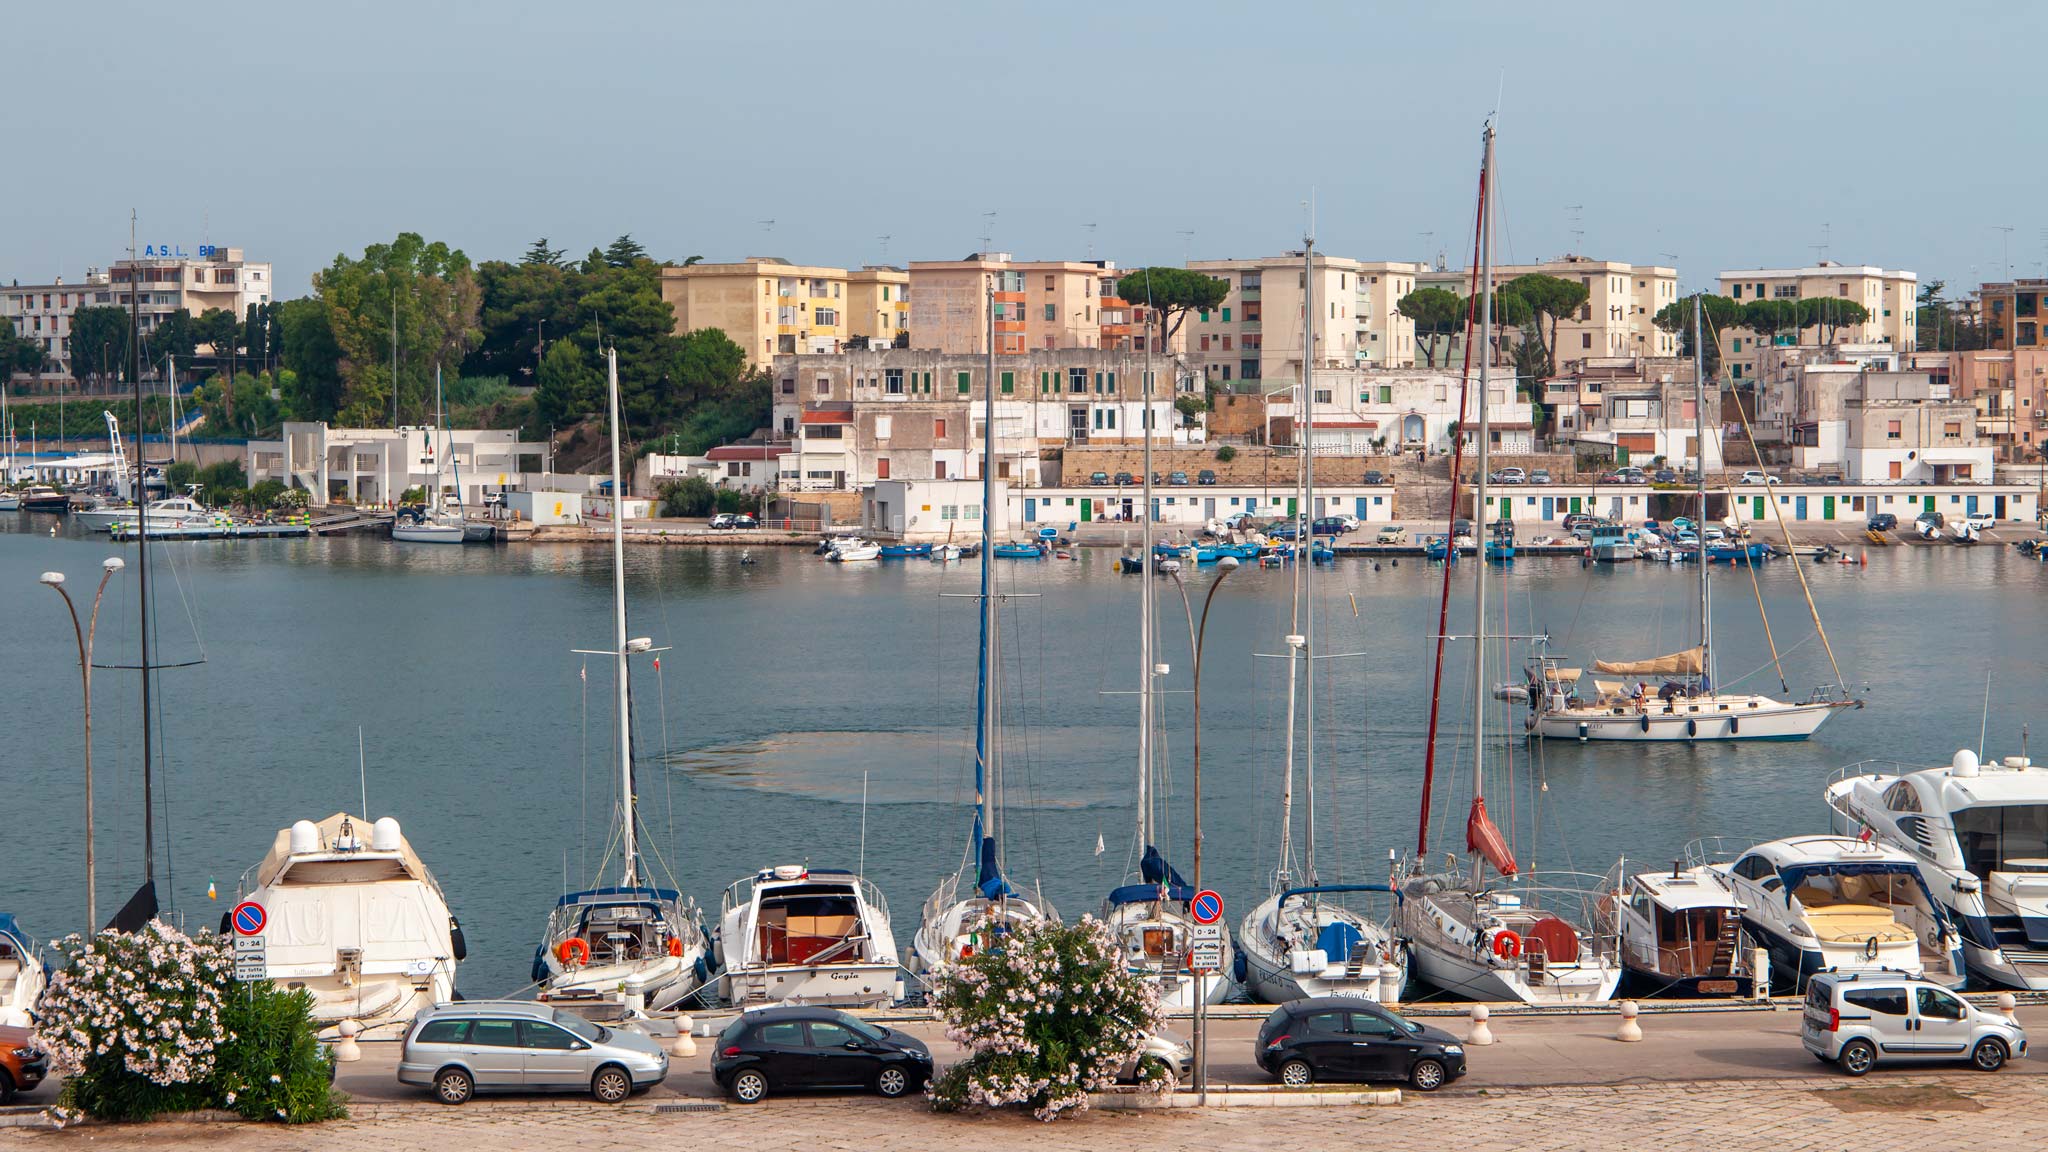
point(1726, 947)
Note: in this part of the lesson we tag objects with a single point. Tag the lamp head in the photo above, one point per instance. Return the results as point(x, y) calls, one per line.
point(113, 563)
point(1227, 564)
point(53, 579)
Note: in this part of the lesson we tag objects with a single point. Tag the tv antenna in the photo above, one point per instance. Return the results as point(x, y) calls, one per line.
point(1578, 227)
point(1187, 245)
point(1091, 240)
point(2007, 230)
point(988, 228)
point(1820, 250)
point(766, 225)
point(884, 238)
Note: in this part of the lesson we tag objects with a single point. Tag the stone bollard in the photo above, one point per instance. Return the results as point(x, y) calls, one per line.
point(686, 1044)
point(2008, 1003)
point(1630, 1032)
point(1480, 1034)
point(346, 1050)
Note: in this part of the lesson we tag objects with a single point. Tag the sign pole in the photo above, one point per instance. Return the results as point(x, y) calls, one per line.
point(1205, 956)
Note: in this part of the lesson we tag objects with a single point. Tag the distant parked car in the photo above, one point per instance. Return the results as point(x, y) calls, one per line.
point(473, 1046)
point(1123, 478)
point(1099, 479)
point(1329, 526)
point(1282, 530)
point(1539, 476)
point(1577, 520)
point(1634, 475)
point(1666, 476)
point(1882, 522)
point(781, 1049)
point(1391, 534)
point(1755, 476)
point(1177, 479)
point(1238, 521)
point(1854, 1019)
point(1508, 476)
point(1205, 477)
point(1375, 476)
point(1351, 1038)
point(744, 520)
point(1461, 527)
point(725, 520)
point(1981, 520)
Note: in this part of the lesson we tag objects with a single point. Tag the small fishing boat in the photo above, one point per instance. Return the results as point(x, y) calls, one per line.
point(946, 553)
point(855, 550)
point(905, 551)
point(1018, 551)
point(10, 500)
point(43, 498)
point(23, 974)
point(1610, 544)
point(1752, 552)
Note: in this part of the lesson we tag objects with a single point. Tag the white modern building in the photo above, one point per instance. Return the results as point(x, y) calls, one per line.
point(374, 466)
point(933, 511)
point(1358, 411)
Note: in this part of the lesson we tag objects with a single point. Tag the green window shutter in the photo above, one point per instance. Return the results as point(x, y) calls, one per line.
point(963, 383)
point(1204, 315)
point(1009, 383)
point(1112, 381)
point(1226, 315)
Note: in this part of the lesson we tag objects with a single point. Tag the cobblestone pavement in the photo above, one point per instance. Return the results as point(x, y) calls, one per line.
point(1949, 1113)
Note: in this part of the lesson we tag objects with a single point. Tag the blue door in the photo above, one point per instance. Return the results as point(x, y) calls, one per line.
point(1799, 508)
point(1360, 506)
point(1030, 509)
point(1549, 507)
point(1970, 505)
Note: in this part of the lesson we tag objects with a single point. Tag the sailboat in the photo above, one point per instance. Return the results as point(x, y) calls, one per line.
point(1491, 941)
point(1151, 918)
point(633, 938)
point(955, 926)
point(1688, 707)
point(436, 523)
point(1302, 940)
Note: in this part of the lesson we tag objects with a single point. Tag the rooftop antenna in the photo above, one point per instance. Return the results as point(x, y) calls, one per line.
point(2007, 230)
point(988, 228)
point(362, 772)
point(1187, 245)
point(1578, 228)
point(1091, 240)
point(1820, 250)
point(766, 225)
point(884, 238)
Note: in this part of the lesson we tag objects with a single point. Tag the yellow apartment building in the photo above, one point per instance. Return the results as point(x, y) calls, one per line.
point(1891, 298)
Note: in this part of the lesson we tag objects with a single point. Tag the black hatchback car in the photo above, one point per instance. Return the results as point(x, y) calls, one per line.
point(1882, 522)
point(802, 1048)
point(1347, 1038)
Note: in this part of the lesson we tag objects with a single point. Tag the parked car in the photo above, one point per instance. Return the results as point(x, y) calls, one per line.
point(1882, 522)
point(1854, 1019)
point(22, 1065)
point(1755, 476)
point(1374, 476)
point(1666, 476)
point(743, 520)
point(723, 520)
point(1177, 479)
point(1391, 534)
point(1205, 477)
point(1282, 530)
point(1165, 1047)
point(786, 1049)
point(1931, 520)
point(1099, 479)
point(1328, 526)
point(1615, 477)
point(1351, 523)
point(1634, 475)
point(1461, 527)
point(1577, 520)
point(1981, 520)
point(1122, 478)
point(1539, 476)
point(1508, 476)
point(471, 1046)
point(1240, 521)
point(1350, 1038)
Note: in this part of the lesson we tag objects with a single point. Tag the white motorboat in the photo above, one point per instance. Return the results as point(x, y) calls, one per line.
point(23, 974)
point(1305, 939)
point(794, 934)
point(854, 550)
point(10, 500)
point(1680, 932)
point(1504, 939)
point(171, 513)
point(954, 925)
point(945, 553)
point(361, 924)
point(634, 938)
point(1844, 904)
point(1979, 834)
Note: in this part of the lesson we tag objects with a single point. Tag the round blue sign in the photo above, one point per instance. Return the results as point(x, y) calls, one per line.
point(249, 918)
point(1207, 907)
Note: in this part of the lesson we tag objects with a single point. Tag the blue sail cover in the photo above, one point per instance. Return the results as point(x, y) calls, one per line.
point(989, 876)
point(1338, 938)
point(1154, 868)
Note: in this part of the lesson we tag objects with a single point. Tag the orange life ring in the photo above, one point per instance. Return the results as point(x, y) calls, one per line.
point(575, 951)
point(675, 946)
point(1507, 945)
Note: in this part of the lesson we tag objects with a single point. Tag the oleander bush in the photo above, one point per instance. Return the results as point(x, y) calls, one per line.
point(1049, 1016)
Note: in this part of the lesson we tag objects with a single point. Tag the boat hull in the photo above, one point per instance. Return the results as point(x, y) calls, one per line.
point(1474, 979)
point(1644, 982)
point(834, 985)
point(665, 981)
point(428, 533)
point(1770, 720)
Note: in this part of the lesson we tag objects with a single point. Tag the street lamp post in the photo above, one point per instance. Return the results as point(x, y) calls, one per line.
point(108, 567)
point(1196, 634)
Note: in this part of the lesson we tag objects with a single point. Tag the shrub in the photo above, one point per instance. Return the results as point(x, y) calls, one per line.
point(690, 496)
point(265, 493)
point(292, 498)
point(1226, 454)
point(413, 495)
point(1049, 1016)
point(272, 1066)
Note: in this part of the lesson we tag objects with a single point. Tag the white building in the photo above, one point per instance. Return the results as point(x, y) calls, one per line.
point(1358, 411)
point(934, 511)
point(374, 466)
point(1901, 426)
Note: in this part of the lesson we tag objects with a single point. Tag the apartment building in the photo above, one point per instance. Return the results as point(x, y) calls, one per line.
point(1040, 305)
point(2014, 313)
point(771, 307)
point(1639, 409)
point(1363, 410)
point(1890, 297)
point(1799, 390)
point(377, 465)
point(1900, 426)
point(168, 281)
point(849, 420)
point(1257, 334)
point(2009, 390)
point(1618, 318)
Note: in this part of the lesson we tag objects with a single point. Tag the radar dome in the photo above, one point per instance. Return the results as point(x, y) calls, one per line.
point(305, 836)
point(384, 835)
point(1964, 763)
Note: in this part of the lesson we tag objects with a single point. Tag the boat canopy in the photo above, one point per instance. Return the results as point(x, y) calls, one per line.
point(621, 896)
point(1686, 663)
point(1565, 674)
point(1795, 875)
point(1147, 893)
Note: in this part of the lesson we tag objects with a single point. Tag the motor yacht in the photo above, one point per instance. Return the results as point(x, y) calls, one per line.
point(171, 513)
point(360, 923)
point(1680, 934)
point(794, 934)
point(1978, 833)
point(23, 974)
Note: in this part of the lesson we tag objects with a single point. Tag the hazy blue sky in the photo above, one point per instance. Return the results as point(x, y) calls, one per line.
point(1719, 135)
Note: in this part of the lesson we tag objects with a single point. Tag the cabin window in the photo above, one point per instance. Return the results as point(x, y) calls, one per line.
point(1900, 797)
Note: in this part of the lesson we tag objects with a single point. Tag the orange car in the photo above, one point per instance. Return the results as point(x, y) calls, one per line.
point(22, 1064)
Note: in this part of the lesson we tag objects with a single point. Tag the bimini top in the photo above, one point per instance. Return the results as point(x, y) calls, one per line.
point(1331, 889)
point(620, 896)
point(11, 933)
point(341, 849)
point(790, 873)
point(1147, 893)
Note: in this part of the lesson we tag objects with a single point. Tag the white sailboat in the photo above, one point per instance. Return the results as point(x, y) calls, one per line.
point(1303, 940)
point(954, 925)
point(633, 938)
point(1688, 708)
point(360, 924)
point(1493, 940)
point(1150, 918)
point(436, 523)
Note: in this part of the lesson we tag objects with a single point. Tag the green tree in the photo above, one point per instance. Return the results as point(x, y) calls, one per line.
point(570, 388)
point(1190, 405)
point(312, 383)
point(689, 496)
point(1830, 315)
point(99, 342)
point(624, 252)
point(624, 310)
point(1768, 318)
point(219, 328)
point(541, 252)
point(175, 335)
point(1549, 298)
point(429, 290)
point(1170, 294)
point(1438, 315)
point(259, 332)
point(524, 305)
point(1718, 314)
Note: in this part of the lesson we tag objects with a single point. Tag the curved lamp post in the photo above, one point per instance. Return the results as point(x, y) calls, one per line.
point(84, 635)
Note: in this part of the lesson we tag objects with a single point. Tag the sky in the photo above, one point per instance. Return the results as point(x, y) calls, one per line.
point(1709, 136)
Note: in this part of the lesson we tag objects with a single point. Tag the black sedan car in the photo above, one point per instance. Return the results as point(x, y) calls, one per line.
point(802, 1048)
point(1348, 1038)
point(1882, 522)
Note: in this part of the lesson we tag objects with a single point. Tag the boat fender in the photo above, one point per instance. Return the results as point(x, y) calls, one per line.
point(574, 952)
point(1734, 725)
point(1870, 948)
point(1506, 944)
point(1239, 969)
point(226, 922)
point(675, 946)
point(1582, 731)
point(456, 944)
point(1692, 727)
point(703, 971)
point(1646, 721)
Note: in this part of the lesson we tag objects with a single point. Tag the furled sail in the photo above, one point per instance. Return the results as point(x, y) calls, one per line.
point(1686, 663)
point(1483, 837)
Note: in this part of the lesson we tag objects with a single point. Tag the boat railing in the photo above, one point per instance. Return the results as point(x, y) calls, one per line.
point(874, 898)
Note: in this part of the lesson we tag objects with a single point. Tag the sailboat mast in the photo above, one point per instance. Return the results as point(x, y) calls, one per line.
point(141, 562)
point(1306, 560)
point(627, 794)
point(1699, 418)
point(1145, 611)
point(984, 857)
point(1479, 487)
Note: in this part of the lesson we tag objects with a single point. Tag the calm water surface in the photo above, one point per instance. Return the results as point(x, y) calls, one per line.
point(793, 689)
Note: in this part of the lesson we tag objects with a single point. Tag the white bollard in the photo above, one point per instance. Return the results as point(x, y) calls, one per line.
point(1760, 969)
point(2008, 1003)
point(346, 1050)
point(1630, 1032)
point(1480, 1034)
point(686, 1044)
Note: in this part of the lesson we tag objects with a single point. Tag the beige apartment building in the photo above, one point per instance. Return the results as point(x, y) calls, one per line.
point(1619, 317)
point(2013, 311)
point(1889, 296)
point(169, 278)
point(1040, 305)
point(771, 307)
point(1257, 333)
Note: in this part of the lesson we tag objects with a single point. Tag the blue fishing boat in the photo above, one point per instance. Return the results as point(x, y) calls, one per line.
point(1500, 544)
point(1438, 548)
point(1752, 552)
point(904, 551)
point(1015, 551)
point(1174, 550)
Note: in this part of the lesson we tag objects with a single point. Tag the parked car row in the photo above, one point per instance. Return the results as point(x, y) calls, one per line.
point(725, 521)
point(1204, 478)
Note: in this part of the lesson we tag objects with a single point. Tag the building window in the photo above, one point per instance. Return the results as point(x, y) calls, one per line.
point(1891, 430)
point(824, 385)
point(1009, 383)
point(938, 429)
point(881, 467)
point(1052, 311)
point(1226, 315)
point(1585, 339)
point(962, 379)
point(1077, 380)
point(1322, 395)
point(825, 317)
point(789, 386)
point(1049, 282)
point(938, 469)
point(1952, 430)
point(892, 381)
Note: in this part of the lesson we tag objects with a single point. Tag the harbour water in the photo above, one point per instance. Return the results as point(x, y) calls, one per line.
point(816, 712)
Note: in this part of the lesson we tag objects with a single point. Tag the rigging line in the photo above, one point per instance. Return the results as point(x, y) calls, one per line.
point(661, 708)
point(583, 741)
point(1779, 512)
point(1757, 588)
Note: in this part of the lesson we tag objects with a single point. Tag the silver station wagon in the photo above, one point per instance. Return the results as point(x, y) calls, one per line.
point(476, 1046)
